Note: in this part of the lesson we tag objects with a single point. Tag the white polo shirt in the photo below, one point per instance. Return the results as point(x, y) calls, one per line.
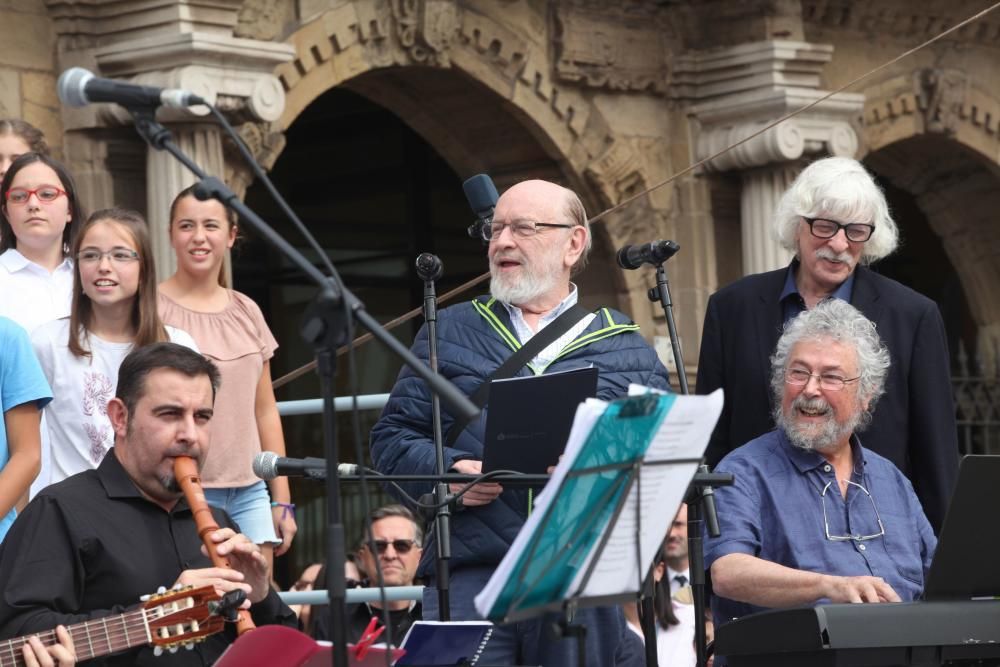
point(31, 295)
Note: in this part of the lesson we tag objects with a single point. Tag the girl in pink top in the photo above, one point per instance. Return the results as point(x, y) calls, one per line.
point(230, 330)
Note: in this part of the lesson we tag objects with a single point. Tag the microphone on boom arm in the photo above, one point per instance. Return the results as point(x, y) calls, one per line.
point(482, 197)
point(78, 87)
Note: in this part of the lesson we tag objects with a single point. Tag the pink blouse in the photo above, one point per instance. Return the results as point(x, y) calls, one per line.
point(238, 341)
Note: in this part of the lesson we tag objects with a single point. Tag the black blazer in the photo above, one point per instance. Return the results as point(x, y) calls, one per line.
point(914, 421)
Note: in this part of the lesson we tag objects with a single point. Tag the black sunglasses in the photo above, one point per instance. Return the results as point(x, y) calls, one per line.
point(401, 546)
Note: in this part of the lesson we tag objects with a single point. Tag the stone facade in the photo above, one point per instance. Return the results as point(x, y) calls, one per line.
point(619, 96)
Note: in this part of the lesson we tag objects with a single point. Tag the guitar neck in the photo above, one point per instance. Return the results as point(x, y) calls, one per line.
point(91, 639)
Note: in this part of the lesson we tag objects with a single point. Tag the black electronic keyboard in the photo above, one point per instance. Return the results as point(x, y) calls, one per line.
point(908, 633)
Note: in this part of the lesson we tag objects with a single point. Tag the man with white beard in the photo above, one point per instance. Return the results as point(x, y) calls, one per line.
point(813, 515)
point(835, 220)
point(538, 238)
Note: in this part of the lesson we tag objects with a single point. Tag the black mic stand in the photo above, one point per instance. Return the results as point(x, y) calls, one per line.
point(326, 327)
point(700, 496)
point(661, 293)
point(701, 503)
point(429, 269)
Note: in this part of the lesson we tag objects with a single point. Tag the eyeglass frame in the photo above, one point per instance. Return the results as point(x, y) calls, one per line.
point(381, 546)
point(30, 191)
point(840, 226)
point(819, 376)
point(101, 254)
point(486, 230)
point(850, 538)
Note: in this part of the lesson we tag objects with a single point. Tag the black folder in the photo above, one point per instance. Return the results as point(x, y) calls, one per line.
point(529, 419)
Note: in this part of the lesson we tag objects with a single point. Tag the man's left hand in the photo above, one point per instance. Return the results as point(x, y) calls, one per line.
point(244, 557)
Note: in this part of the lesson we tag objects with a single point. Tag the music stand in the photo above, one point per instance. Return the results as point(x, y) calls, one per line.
point(641, 452)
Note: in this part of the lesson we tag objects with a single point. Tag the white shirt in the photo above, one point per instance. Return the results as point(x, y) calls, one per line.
point(76, 421)
point(675, 645)
point(31, 295)
point(524, 332)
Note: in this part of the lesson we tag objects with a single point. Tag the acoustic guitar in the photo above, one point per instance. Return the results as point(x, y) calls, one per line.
point(168, 621)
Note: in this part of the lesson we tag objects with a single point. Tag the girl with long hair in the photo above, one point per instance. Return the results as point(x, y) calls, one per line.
point(38, 211)
point(230, 330)
point(114, 311)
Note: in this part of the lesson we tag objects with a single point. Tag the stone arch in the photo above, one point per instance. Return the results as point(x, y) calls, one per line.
point(364, 43)
point(936, 134)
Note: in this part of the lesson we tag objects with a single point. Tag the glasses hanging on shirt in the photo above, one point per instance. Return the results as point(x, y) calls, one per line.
point(846, 538)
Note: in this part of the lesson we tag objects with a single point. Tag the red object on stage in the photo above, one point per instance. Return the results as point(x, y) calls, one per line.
point(280, 646)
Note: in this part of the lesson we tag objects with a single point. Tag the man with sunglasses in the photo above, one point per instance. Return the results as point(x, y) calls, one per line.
point(813, 515)
point(835, 220)
point(538, 239)
point(396, 538)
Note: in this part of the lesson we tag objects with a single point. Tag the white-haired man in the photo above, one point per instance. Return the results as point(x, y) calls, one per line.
point(538, 238)
point(835, 219)
point(813, 516)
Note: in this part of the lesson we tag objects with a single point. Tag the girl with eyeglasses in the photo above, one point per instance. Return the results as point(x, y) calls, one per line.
point(113, 312)
point(38, 209)
point(230, 330)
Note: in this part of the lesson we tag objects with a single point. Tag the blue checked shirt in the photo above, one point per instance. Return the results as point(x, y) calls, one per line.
point(774, 512)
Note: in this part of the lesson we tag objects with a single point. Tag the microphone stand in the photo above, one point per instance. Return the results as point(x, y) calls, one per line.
point(429, 269)
point(661, 293)
point(326, 327)
point(700, 499)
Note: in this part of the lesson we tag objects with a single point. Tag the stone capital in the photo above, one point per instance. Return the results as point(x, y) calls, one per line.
point(234, 74)
point(735, 92)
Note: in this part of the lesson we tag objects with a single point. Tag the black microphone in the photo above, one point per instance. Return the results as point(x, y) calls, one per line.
point(429, 267)
point(268, 465)
point(78, 87)
point(482, 197)
point(633, 256)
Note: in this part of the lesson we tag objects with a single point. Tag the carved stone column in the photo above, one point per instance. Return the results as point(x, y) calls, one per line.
point(736, 92)
point(762, 188)
point(190, 44)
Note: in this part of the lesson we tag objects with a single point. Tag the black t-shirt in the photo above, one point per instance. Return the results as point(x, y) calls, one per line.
point(90, 546)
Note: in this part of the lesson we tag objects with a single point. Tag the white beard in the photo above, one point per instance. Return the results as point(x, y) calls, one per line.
point(815, 437)
point(534, 281)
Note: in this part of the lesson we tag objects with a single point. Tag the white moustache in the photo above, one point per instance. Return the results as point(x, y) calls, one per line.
point(843, 257)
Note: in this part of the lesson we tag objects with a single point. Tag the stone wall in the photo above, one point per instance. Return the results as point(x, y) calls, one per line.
point(28, 68)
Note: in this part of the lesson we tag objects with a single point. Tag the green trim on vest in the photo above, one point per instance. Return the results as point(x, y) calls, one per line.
point(508, 337)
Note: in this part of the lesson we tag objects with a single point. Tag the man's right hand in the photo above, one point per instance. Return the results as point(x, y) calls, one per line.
point(859, 589)
point(480, 494)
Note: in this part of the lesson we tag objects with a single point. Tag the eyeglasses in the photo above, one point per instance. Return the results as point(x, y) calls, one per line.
point(522, 228)
point(822, 228)
point(846, 538)
point(828, 381)
point(116, 255)
point(402, 547)
point(45, 193)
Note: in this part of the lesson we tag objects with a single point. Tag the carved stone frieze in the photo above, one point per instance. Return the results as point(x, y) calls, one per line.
point(932, 101)
point(603, 47)
point(617, 172)
point(912, 22)
point(259, 19)
point(426, 29)
point(939, 95)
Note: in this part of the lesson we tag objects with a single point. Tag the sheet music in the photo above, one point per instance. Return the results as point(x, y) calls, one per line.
point(683, 434)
